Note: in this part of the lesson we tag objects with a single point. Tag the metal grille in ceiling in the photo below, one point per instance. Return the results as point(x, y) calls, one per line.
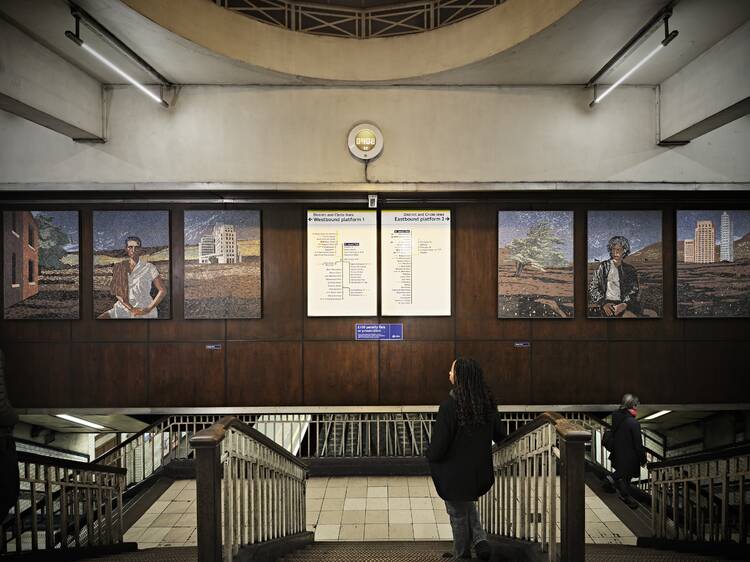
point(359, 19)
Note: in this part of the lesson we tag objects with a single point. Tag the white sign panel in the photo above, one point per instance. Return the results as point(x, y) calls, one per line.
point(341, 263)
point(416, 262)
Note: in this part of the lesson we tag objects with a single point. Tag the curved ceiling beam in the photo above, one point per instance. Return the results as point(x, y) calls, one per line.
point(332, 58)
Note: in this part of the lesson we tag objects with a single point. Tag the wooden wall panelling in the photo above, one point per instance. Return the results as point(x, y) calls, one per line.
point(575, 372)
point(282, 236)
point(38, 374)
point(340, 372)
point(507, 369)
point(649, 369)
point(88, 328)
point(264, 373)
point(476, 277)
point(187, 374)
point(108, 375)
point(581, 327)
point(415, 372)
point(177, 328)
point(715, 371)
point(35, 330)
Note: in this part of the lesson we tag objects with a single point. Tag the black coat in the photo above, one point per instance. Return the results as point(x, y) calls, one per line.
point(628, 452)
point(461, 458)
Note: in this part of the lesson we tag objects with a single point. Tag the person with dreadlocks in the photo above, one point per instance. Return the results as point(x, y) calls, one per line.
point(460, 454)
point(613, 289)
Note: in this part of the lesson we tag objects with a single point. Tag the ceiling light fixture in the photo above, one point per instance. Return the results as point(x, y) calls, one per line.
point(655, 415)
point(80, 421)
point(662, 16)
point(80, 15)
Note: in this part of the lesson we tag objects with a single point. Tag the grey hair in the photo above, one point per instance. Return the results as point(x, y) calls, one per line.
point(621, 241)
point(629, 401)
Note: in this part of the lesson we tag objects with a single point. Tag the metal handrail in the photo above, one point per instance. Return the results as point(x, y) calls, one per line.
point(522, 503)
point(260, 485)
point(73, 504)
point(702, 497)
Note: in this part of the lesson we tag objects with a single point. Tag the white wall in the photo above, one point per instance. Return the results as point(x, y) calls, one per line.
point(271, 134)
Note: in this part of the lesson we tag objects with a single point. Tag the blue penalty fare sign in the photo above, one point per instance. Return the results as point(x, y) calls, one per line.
point(379, 331)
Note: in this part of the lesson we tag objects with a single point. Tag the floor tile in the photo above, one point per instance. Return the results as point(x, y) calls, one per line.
point(153, 534)
point(355, 504)
point(377, 492)
point(329, 518)
point(420, 503)
point(400, 531)
point(338, 482)
point(445, 532)
point(358, 492)
point(177, 535)
point(313, 504)
point(419, 492)
point(335, 493)
point(376, 516)
point(398, 492)
point(398, 503)
point(333, 504)
point(399, 516)
point(353, 517)
point(423, 516)
point(425, 531)
point(316, 492)
point(377, 504)
point(327, 532)
point(166, 520)
point(187, 520)
point(376, 531)
point(441, 516)
point(352, 533)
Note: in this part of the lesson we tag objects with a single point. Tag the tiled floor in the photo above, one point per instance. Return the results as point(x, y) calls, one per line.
point(354, 509)
point(408, 508)
point(170, 521)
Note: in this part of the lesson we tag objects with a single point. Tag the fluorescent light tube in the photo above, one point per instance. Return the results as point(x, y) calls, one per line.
point(655, 415)
point(119, 71)
point(80, 421)
point(627, 74)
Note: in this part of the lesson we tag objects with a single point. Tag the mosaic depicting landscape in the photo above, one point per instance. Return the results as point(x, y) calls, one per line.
point(111, 230)
point(53, 293)
point(222, 264)
point(643, 230)
point(535, 264)
point(713, 264)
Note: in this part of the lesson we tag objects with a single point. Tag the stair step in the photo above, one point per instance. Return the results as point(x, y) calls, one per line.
point(383, 551)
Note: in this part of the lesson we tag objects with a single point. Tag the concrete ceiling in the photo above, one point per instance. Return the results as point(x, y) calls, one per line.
point(112, 422)
point(568, 52)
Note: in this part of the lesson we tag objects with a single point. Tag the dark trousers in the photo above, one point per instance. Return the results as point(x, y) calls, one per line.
point(622, 483)
point(466, 526)
point(9, 484)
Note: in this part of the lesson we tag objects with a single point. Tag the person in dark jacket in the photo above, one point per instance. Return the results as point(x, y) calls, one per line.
point(614, 288)
point(460, 454)
point(628, 453)
point(9, 485)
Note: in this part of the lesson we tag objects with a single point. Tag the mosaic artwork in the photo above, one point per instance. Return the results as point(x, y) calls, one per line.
point(131, 265)
point(625, 266)
point(713, 264)
point(41, 273)
point(535, 264)
point(222, 264)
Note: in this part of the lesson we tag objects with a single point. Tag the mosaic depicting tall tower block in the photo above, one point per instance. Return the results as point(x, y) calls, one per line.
point(705, 242)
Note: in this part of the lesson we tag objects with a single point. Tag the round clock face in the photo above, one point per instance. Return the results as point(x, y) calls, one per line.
point(365, 141)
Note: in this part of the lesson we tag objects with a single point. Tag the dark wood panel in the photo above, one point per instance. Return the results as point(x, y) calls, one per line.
point(714, 372)
point(424, 328)
point(650, 370)
point(340, 373)
point(36, 330)
point(109, 375)
point(570, 373)
point(476, 277)
point(507, 369)
point(38, 374)
point(716, 329)
point(415, 372)
point(186, 374)
point(283, 297)
point(264, 373)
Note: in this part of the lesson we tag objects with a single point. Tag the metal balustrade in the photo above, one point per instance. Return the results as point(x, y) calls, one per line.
point(523, 502)
point(64, 504)
point(702, 497)
point(249, 490)
point(359, 23)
